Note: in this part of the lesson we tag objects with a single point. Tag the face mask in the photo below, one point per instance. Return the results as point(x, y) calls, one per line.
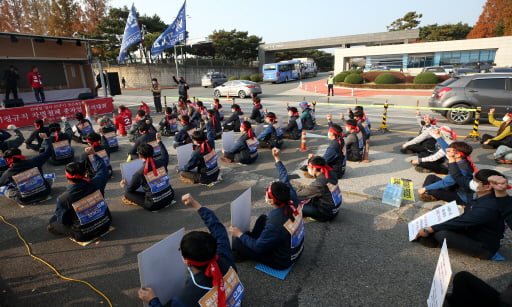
point(506, 118)
point(310, 172)
point(473, 185)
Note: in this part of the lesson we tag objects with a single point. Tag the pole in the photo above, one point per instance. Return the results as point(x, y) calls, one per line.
point(475, 135)
point(176, 61)
point(383, 127)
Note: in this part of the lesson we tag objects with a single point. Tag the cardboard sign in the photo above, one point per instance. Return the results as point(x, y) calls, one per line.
point(161, 267)
point(441, 279)
point(85, 128)
point(210, 159)
point(233, 289)
point(159, 182)
point(184, 153)
point(129, 168)
point(335, 193)
point(90, 208)
point(28, 181)
point(296, 228)
point(408, 192)
point(241, 211)
point(252, 144)
point(434, 217)
point(156, 148)
point(3, 162)
point(62, 148)
point(111, 138)
point(228, 140)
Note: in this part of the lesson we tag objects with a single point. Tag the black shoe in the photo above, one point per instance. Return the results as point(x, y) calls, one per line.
point(429, 242)
point(420, 169)
point(237, 256)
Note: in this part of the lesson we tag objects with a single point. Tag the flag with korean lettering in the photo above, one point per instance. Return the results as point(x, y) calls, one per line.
point(174, 34)
point(131, 34)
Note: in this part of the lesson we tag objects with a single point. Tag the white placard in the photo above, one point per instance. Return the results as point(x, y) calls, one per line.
point(241, 211)
point(228, 139)
point(441, 279)
point(161, 267)
point(436, 216)
point(259, 129)
point(184, 153)
point(129, 168)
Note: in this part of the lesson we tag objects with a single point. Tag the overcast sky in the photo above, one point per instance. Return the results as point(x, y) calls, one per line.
point(286, 20)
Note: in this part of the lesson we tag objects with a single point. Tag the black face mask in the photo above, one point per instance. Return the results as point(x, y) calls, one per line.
point(423, 123)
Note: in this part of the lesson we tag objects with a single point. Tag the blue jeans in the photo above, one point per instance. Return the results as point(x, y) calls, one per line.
point(39, 93)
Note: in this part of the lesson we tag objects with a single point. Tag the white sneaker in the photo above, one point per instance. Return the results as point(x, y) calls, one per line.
point(11, 127)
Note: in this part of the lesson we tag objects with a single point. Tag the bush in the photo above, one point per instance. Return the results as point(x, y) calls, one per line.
point(354, 79)
point(232, 78)
point(356, 71)
point(386, 78)
point(425, 78)
point(245, 77)
point(256, 78)
point(372, 75)
point(341, 76)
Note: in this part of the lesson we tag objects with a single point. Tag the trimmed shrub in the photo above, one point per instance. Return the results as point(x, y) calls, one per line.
point(256, 78)
point(386, 78)
point(372, 75)
point(341, 76)
point(426, 78)
point(245, 77)
point(354, 79)
point(356, 71)
point(232, 78)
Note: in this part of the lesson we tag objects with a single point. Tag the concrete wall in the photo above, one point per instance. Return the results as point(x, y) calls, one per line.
point(502, 44)
point(139, 76)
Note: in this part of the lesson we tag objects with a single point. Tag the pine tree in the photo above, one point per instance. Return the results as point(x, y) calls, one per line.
point(495, 20)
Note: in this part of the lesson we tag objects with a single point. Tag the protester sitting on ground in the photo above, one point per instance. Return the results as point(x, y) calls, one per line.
point(152, 176)
point(199, 115)
point(183, 136)
point(144, 107)
point(293, 130)
point(354, 143)
point(257, 114)
point(123, 120)
point(182, 109)
point(503, 155)
point(168, 124)
point(25, 176)
point(233, 122)
point(469, 290)
point(34, 135)
point(436, 162)
point(140, 119)
point(218, 109)
point(364, 117)
point(479, 230)
point(437, 188)
point(504, 134)
point(307, 117)
point(208, 258)
point(276, 240)
point(272, 136)
point(73, 216)
point(424, 143)
point(82, 128)
point(61, 150)
point(334, 155)
point(204, 158)
point(323, 195)
point(147, 136)
point(94, 140)
point(108, 134)
point(213, 127)
point(500, 186)
point(6, 142)
point(245, 150)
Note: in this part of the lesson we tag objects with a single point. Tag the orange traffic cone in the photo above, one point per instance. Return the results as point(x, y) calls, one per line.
point(303, 145)
point(227, 97)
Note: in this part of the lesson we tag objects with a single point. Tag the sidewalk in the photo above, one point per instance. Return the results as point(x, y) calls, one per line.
point(321, 87)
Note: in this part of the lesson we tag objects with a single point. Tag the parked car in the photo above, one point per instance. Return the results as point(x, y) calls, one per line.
point(501, 69)
point(470, 91)
point(213, 79)
point(437, 70)
point(460, 71)
point(240, 88)
point(484, 66)
point(448, 69)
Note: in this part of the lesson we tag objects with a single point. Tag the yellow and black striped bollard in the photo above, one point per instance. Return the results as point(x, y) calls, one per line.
point(475, 135)
point(383, 127)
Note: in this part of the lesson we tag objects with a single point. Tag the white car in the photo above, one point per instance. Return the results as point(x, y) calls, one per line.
point(240, 88)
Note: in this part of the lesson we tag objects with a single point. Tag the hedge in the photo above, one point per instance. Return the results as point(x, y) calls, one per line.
point(372, 75)
point(354, 79)
point(398, 86)
point(232, 78)
point(386, 78)
point(341, 76)
point(426, 78)
point(245, 77)
point(256, 78)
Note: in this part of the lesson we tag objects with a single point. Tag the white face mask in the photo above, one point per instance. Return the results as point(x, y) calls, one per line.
point(506, 118)
point(473, 185)
point(310, 172)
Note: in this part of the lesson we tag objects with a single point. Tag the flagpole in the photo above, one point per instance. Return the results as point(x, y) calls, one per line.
point(176, 61)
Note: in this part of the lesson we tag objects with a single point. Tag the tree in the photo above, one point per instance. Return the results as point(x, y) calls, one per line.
point(235, 45)
point(63, 19)
point(110, 28)
point(495, 20)
point(91, 13)
point(12, 16)
point(324, 60)
point(408, 22)
point(444, 32)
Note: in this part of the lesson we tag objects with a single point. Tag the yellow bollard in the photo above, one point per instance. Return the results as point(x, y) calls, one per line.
point(475, 135)
point(383, 126)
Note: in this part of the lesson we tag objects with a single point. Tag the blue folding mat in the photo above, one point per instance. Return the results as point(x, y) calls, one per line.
point(281, 274)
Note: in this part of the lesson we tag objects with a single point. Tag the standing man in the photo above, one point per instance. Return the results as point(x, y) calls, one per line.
point(182, 87)
point(330, 85)
point(157, 93)
point(36, 82)
point(11, 78)
point(123, 81)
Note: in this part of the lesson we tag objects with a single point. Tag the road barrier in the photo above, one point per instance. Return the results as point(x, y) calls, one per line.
point(475, 135)
point(303, 145)
point(383, 126)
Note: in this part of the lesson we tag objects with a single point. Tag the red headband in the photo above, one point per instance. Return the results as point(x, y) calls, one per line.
point(250, 133)
point(10, 160)
point(94, 144)
point(56, 135)
point(204, 146)
point(151, 161)
point(324, 169)
point(331, 129)
point(356, 128)
point(77, 176)
point(280, 203)
point(214, 272)
point(468, 158)
point(451, 132)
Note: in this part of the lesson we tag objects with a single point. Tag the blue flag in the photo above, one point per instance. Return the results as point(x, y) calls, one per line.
point(131, 34)
point(174, 34)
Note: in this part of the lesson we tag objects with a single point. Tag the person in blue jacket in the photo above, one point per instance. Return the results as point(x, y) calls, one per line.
point(479, 230)
point(183, 135)
point(204, 158)
point(277, 239)
point(208, 258)
point(234, 121)
point(245, 150)
point(272, 136)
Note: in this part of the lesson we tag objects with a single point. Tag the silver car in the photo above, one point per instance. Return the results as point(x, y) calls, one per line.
point(240, 88)
point(470, 91)
point(213, 79)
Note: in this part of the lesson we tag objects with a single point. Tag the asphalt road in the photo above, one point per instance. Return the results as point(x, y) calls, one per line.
point(362, 258)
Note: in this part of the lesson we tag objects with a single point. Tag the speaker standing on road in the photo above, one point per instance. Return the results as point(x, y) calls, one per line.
point(36, 82)
point(157, 93)
point(11, 78)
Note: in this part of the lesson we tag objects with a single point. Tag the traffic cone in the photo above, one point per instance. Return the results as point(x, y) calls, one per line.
point(227, 97)
point(303, 145)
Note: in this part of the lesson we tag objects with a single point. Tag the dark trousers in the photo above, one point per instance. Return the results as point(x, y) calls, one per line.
point(255, 233)
point(469, 290)
point(446, 194)
point(58, 227)
point(39, 94)
point(458, 240)
point(330, 89)
point(196, 177)
point(8, 91)
point(437, 166)
point(494, 144)
point(312, 211)
point(158, 104)
point(137, 197)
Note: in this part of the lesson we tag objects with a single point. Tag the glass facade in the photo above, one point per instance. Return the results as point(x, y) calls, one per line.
point(420, 61)
point(392, 61)
point(469, 56)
